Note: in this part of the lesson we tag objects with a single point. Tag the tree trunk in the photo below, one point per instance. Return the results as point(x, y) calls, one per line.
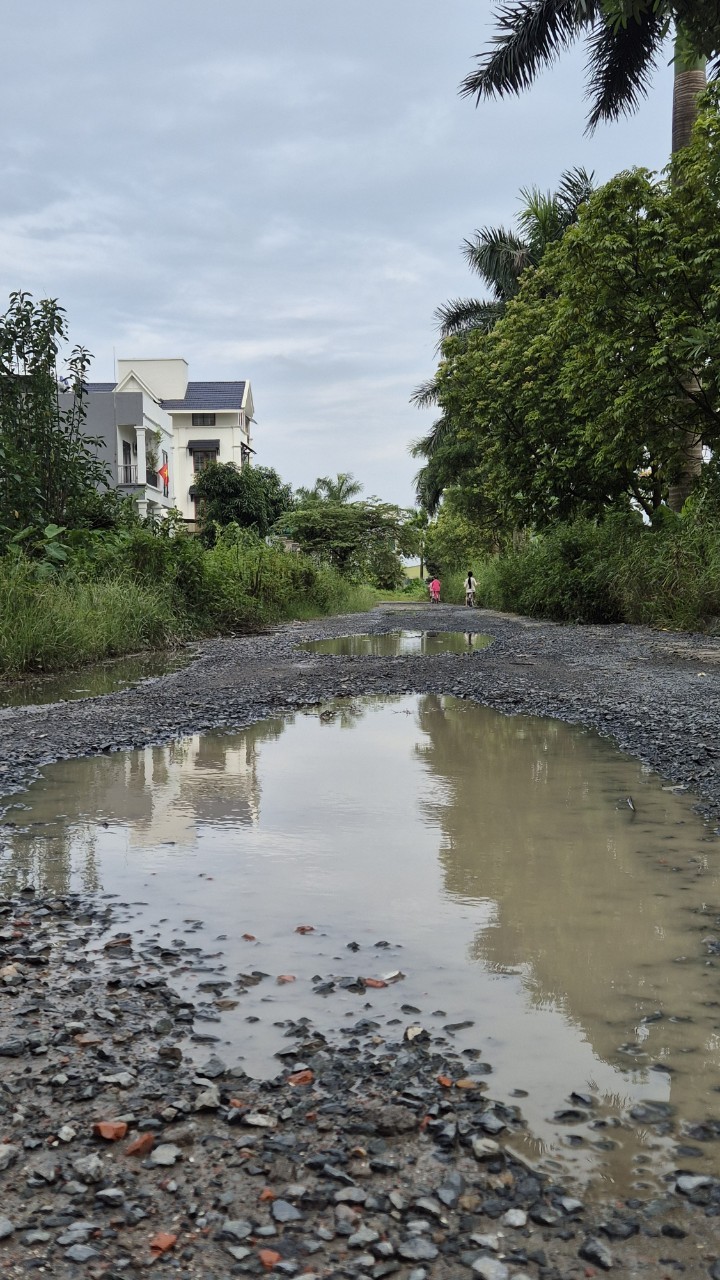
point(690, 82)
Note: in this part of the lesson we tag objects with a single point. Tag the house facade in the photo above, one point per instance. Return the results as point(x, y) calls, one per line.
point(158, 431)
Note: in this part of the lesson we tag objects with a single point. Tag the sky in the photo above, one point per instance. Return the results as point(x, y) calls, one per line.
point(278, 190)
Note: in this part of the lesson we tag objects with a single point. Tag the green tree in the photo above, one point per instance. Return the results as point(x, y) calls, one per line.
point(363, 540)
point(624, 39)
point(253, 498)
point(577, 402)
point(49, 468)
point(499, 257)
point(453, 540)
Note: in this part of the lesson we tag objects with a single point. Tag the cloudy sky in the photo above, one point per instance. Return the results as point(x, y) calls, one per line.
point(276, 190)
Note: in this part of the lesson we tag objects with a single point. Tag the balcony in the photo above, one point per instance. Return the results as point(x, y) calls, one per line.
point(128, 478)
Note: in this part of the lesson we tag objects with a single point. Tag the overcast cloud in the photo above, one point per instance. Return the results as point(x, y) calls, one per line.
point(276, 190)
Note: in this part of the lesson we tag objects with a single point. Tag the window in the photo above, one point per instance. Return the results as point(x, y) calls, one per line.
point(203, 419)
point(201, 457)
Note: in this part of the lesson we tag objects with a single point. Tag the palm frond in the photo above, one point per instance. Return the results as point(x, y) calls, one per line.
point(499, 257)
point(428, 445)
point(464, 315)
point(621, 60)
point(426, 394)
point(574, 189)
point(531, 35)
point(540, 221)
point(428, 490)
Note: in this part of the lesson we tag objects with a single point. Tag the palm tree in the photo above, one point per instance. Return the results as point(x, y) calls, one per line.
point(624, 43)
point(500, 256)
point(342, 489)
point(623, 49)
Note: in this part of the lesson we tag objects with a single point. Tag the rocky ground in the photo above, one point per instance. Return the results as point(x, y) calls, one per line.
point(364, 1157)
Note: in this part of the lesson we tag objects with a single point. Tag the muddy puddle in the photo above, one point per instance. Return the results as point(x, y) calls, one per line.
point(397, 644)
point(523, 878)
point(93, 681)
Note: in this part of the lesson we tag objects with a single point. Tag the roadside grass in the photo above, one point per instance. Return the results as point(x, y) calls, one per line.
point(51, 625)
point(152, 593)
point(616, 571)
point(415, 591)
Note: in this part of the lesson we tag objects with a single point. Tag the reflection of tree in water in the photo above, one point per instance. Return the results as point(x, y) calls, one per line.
point(530, 821)
point(345, 712)
point(160, 793)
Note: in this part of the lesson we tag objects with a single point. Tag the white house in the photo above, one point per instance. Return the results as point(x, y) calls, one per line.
point(159, 430)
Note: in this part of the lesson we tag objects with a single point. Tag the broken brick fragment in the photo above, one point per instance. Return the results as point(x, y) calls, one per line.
point(269, 1258)
point(302, 1077)
point(163, 1241)
point(110, 1130)
point(141, 1145)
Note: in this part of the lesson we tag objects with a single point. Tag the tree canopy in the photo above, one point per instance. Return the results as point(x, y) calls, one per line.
point(49, 467)
point(342, 489)
point(499, 257)
point(252, 498)
point(578, 399)
point(363, 540)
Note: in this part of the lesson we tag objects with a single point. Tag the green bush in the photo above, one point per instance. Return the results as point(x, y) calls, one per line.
point(120, 592)
point(617, 571)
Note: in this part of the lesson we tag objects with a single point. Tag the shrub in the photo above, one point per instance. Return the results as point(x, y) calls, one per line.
point(615, 571)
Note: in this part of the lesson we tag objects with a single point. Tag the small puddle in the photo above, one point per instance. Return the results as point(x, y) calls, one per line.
point(541, 924)
point(93, 681)
point(396, 644)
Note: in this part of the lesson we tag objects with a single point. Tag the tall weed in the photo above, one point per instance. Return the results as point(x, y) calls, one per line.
point(51, 624)
point(140, 590)
point(617, 571)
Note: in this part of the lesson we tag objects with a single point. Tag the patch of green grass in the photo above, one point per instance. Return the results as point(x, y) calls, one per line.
point(147, 592)
point(55, 625)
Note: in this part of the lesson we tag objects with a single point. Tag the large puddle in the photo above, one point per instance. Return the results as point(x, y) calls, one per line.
point(519, 890)
point(397, 644)
point(93, 681)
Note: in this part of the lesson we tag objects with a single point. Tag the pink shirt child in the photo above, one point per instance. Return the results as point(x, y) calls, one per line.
point(435, 589)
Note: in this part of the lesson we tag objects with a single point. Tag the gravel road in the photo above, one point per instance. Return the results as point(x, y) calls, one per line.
point(366, 1157)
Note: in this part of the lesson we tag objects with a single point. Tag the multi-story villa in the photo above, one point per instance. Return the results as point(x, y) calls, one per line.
point(157, 430)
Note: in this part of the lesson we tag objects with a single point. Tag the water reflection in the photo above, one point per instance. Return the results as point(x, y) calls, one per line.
point(160, 795)
point(500, 852)
point(400, 644)
point(598, 906)
point(90, 682)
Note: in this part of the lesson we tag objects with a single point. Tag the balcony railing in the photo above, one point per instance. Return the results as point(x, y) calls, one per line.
point(128, 475)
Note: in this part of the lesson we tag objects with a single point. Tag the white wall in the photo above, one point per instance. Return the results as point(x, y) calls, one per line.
point(167, 379)
point(229, 429)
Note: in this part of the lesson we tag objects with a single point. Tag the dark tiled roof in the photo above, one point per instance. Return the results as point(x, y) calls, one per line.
point(207, 397)
point(200, 397)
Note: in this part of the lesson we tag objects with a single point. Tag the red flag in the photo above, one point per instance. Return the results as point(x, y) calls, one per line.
point(164, 474)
